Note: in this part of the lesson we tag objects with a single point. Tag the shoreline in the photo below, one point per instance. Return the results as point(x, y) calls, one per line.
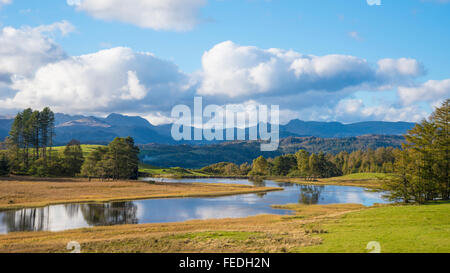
point(333, 181)
point(105, 192)
point(369, 184)
point(334, 228)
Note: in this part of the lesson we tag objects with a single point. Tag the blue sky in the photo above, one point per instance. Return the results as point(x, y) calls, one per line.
point(416, 30)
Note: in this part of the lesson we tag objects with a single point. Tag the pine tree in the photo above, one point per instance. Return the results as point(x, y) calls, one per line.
point(399, 187)
point(119, 160)
point(303, 162)
point(4, 165)
point(422, 168)
point(314, 165)
point(441, 148)
point(73, 158)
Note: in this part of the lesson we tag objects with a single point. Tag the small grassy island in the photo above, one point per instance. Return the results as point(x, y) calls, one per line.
point(23, 192)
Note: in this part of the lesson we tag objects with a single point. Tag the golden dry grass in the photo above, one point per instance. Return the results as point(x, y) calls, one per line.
point(372, 183)
point(19, 192)
point(264, 233)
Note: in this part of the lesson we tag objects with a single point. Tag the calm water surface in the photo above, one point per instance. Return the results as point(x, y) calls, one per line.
point(71, 216)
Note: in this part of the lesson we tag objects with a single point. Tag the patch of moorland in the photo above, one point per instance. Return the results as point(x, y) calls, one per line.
point(20, 192)
point(367, 180)
point(315, 228)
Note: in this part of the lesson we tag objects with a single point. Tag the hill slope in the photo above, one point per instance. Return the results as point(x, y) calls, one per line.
point(336, 129)
point(197, 156)
point(98, 130)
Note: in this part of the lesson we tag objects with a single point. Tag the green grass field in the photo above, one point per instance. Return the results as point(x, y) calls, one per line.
point(87, 149)
point(397, 228)
point(176, 171)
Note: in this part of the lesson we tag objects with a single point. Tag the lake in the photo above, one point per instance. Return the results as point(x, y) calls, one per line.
point(72, 216)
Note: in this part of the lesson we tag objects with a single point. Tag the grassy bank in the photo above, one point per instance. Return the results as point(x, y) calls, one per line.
point(318, 228)
point(398, 229)
point(264, 233)
point(87, 149)
point(367, 180)
point(169, 172)
point(19, 192)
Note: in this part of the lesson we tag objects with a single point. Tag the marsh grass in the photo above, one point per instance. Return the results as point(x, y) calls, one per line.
point(20, 192)
point(366, 180)
point(317, 228)
point(257, 234)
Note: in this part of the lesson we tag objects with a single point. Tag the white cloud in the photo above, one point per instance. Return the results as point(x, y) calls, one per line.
point(117, 79)
point(399, 69)
point(179, 15)
point(355, 35)
point(5, 2)
point(430, 91)
point(35, 72)
point(353, 110)
point(235, 71)
point(24, 50)
point(374, 2)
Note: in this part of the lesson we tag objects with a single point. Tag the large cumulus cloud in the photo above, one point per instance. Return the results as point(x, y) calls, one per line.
point(430, 91)
point(235, 71)
point(116, 79)
point(36, 72)
point(24, 50)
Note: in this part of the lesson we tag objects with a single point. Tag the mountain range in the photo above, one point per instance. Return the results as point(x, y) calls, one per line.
point(98, 130)
point(238, 152)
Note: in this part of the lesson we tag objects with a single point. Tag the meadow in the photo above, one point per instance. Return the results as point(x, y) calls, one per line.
point(367, 180)
point(169, 172)
point(87, 149)
point(20, 192)
point(316, 228)
point(311, 229)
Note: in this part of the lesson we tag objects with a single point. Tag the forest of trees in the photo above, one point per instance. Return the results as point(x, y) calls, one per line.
point(118, 160)
point(419, 170)
point(309, 165)
point(28, 151)
point(421, 167)
point(29, 146)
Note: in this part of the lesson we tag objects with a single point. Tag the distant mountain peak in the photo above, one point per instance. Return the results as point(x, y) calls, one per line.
point(123, 120)
point(95, 130)
point(87, 122)
point(337, 129)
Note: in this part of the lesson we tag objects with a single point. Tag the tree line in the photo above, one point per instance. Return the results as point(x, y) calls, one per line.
point(309, 165)
point(28, 151)
point(30, 140)
point(118, 160)
point(421, 168)
point(419, 171)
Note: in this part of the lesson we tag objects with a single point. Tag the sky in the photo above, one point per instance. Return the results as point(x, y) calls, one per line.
point(323, 60)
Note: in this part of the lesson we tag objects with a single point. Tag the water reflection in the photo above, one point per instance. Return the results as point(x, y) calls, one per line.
point(310, 195)
point(71, 216)
point(41, 219)
point(26, 220)
point(109, 214)
point(257, 182)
